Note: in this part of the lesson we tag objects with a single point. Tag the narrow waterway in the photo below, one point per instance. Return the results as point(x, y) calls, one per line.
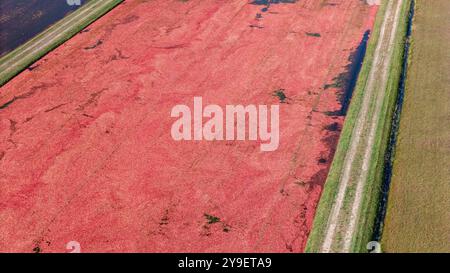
point(21, 20)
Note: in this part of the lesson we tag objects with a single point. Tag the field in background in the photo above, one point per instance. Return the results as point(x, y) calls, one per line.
point(418, 218)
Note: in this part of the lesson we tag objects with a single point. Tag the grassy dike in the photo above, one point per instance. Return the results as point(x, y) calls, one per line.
point(19, 59)
point(369, 206)
point(373, 190)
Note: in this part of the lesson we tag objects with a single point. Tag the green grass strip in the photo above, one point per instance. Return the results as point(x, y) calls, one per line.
point(372, 190)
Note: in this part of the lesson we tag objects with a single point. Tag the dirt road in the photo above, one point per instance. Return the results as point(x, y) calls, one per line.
point(344, 216)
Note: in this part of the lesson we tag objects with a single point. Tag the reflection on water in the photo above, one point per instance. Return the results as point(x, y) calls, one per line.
point(21, 20)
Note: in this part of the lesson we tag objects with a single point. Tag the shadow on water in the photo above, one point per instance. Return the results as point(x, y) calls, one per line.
point(346, 81)
point(267, 3)
point(21, 20)
point(390, 153)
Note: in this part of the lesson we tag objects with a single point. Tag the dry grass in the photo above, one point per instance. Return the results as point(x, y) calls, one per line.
point(418, 218)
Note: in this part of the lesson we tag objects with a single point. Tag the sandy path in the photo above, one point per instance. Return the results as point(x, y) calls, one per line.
point(382, 59)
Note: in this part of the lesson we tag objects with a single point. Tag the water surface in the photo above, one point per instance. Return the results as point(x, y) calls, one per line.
point(21, 20)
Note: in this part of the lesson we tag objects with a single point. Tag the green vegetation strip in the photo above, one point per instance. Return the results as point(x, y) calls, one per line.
point(372, 190)
point(364, 226)
point(19, 59)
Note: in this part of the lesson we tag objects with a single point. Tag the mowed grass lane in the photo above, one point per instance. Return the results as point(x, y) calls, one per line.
point(418, 216)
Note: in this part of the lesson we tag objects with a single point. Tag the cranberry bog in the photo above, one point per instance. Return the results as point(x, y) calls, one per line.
point(86, 153)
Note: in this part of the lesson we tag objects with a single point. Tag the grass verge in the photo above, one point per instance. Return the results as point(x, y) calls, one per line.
point(372, 189)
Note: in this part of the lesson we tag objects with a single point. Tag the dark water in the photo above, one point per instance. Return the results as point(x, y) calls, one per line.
point(347, 80)
point(353, 69)
point(390, 153)
point(267, 3)
point(21, 20)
